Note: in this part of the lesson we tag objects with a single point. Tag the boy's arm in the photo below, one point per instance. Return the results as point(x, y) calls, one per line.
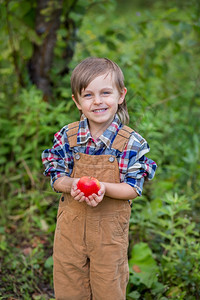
point(63, 184)
point(122, 191)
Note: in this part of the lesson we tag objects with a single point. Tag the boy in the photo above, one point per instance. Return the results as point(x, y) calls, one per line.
point(91, 238)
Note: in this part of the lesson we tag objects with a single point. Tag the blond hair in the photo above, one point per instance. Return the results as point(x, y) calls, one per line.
point(92, 67)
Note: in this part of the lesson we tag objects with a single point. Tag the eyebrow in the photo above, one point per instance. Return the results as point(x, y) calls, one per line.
point(107, 88)
point(104, 88)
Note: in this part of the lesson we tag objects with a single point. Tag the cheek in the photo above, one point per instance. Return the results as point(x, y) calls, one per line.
point(116, 104)
point(85, 107)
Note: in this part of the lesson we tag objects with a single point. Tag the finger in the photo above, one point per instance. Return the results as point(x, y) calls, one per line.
point(89, 201)
point(82, 199)
point(78, 196)
point(97, 198)
point(75, 190)
point(100, 192)
point(93, 202)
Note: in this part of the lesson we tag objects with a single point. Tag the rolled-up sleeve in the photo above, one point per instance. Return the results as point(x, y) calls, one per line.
point(139, 166)
point(58, 160)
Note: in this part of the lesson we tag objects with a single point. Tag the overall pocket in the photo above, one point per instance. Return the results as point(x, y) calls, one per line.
point(121, 223)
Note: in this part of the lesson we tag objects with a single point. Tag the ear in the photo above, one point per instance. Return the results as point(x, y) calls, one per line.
point(122, 95)
point(76, 102)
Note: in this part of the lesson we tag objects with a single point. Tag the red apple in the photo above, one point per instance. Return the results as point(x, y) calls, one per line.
point(88, 185)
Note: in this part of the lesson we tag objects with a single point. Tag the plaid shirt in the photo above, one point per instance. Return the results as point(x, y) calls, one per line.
point(134, 166)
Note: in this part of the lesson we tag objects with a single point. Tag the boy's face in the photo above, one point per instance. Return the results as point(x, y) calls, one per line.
point(99, 101)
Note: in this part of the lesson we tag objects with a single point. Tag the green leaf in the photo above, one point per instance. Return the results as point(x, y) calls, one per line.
point(134, 295)
point(49, 262)
point(142, 264)
point(26, 48)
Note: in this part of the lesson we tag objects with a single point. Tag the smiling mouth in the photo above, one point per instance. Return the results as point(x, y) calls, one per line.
point(99, 110)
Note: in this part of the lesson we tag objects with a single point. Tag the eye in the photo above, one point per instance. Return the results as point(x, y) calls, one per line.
point(88, 95)
point(106, 92)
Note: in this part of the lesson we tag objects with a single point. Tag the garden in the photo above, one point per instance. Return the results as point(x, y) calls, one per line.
point(157, 45)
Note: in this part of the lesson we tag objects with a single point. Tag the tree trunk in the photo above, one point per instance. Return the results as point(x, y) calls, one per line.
point(47, 22)
point(70, 39)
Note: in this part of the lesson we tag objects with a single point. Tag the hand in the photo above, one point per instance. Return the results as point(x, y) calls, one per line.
point(76, 193)
point(95, 199)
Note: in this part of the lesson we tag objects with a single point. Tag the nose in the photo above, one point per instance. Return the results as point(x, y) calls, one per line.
point(97, 99)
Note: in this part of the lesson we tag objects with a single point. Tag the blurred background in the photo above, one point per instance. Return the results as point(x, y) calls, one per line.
point(157, 45)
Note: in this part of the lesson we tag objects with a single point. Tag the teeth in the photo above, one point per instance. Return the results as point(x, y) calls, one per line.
point(99, 110)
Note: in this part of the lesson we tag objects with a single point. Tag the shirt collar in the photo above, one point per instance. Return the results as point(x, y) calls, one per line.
point(107, 137)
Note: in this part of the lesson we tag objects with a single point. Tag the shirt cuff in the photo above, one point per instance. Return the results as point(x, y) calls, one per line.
point(137, 184)
point(53, 180)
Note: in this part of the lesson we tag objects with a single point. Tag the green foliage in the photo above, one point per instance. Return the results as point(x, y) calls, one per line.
point(27, 208)
point(157, 46)
point(174, 238)
point(27, 270)
point(143, 272)
point(180, 243)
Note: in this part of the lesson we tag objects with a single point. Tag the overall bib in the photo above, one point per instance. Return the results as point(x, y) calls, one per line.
point(90, 244)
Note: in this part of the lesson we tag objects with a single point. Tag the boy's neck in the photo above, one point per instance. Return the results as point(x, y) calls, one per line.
point(97, 130)
point(96, 133)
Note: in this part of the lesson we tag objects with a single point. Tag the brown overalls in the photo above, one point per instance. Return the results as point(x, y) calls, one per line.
point(90, 245)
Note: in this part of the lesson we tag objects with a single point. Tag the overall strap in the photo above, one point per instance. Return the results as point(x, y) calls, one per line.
point(72, 133)
point(122, 138)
